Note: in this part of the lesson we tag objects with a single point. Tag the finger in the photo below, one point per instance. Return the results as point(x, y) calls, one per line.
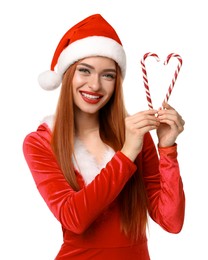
point(134, 124)
point(146, 123)
point(167, 106)
point(144, 113)
point(134, 119)
point(171, 114)
point(175, 124)
point(168, 112)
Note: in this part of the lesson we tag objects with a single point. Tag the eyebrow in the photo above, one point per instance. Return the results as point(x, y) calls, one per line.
point(91, 67)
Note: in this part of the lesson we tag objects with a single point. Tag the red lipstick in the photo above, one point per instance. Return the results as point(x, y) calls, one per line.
point(91, 97)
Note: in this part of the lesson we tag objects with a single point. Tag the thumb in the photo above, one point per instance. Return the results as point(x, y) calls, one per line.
point(166, 105)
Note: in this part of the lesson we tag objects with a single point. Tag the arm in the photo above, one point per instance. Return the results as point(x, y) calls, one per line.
point(75, 210)
point(164, 185)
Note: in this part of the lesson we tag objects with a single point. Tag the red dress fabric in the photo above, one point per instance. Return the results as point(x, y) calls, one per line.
point(90, 217)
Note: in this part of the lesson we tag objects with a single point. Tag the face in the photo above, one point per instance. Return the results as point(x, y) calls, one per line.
point(93, 84)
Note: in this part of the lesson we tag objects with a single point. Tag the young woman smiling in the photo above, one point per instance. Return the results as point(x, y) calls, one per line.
point(97, 167)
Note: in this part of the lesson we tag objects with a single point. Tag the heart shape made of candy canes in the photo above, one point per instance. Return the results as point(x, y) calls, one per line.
point(145, 79)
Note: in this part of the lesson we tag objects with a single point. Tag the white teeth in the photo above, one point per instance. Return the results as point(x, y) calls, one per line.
point(90, 96)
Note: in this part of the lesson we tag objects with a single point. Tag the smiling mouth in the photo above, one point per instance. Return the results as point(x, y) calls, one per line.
point(91, 98)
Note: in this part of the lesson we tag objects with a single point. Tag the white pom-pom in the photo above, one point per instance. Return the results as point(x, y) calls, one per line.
point(49, 80)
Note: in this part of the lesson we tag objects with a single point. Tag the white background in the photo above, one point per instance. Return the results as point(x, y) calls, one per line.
point(30, 31)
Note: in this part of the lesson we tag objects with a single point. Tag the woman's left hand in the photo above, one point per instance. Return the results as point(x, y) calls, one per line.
point(171, 125)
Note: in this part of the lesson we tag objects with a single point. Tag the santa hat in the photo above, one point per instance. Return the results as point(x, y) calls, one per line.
point(93, 36)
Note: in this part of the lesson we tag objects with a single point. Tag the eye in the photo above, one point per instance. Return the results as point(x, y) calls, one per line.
point(84, 70)
point(109, 76)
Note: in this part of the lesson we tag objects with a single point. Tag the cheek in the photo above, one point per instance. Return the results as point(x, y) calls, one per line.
point(77, 80)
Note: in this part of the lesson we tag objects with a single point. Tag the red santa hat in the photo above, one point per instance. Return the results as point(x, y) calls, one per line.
point(93, 36)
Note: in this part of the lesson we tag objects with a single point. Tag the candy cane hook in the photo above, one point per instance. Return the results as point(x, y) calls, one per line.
point(175, 74)
point(145, 79)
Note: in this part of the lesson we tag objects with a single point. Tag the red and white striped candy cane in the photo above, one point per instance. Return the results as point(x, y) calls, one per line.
point(145, 79)
point(175, 74)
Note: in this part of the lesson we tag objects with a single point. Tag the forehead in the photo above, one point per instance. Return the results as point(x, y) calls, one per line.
point(99, 61)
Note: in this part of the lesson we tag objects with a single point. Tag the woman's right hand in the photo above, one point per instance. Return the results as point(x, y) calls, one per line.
point(137, 126)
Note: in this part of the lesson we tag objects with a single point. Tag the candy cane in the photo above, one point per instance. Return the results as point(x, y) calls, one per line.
point(145, 79)
point(146, 84)
point(175, 74)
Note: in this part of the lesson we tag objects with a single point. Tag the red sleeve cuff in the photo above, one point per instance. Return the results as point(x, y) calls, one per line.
point(168, 151)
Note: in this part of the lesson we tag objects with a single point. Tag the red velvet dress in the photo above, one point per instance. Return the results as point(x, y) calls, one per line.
point(90, 217)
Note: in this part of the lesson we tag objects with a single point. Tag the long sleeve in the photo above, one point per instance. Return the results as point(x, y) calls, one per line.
point(164, 186)
point(75, 210)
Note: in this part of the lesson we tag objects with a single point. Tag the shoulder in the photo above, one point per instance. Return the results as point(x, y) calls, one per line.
point(48, 121)
point(43, 132)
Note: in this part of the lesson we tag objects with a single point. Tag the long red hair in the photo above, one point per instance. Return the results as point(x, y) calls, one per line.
point(132, 199)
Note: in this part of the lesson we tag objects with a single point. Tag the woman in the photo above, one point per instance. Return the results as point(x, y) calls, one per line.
point(97, 167)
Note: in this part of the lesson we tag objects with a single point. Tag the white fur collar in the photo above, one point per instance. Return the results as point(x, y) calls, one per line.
point(49, 120)
point(85, 162)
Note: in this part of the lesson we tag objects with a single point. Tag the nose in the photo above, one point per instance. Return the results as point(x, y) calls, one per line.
point(94, 82)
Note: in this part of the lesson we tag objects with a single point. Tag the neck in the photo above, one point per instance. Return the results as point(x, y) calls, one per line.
point(86, 124)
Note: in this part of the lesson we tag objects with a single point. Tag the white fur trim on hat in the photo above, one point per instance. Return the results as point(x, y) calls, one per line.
point(86, 47)
point(92, 46)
